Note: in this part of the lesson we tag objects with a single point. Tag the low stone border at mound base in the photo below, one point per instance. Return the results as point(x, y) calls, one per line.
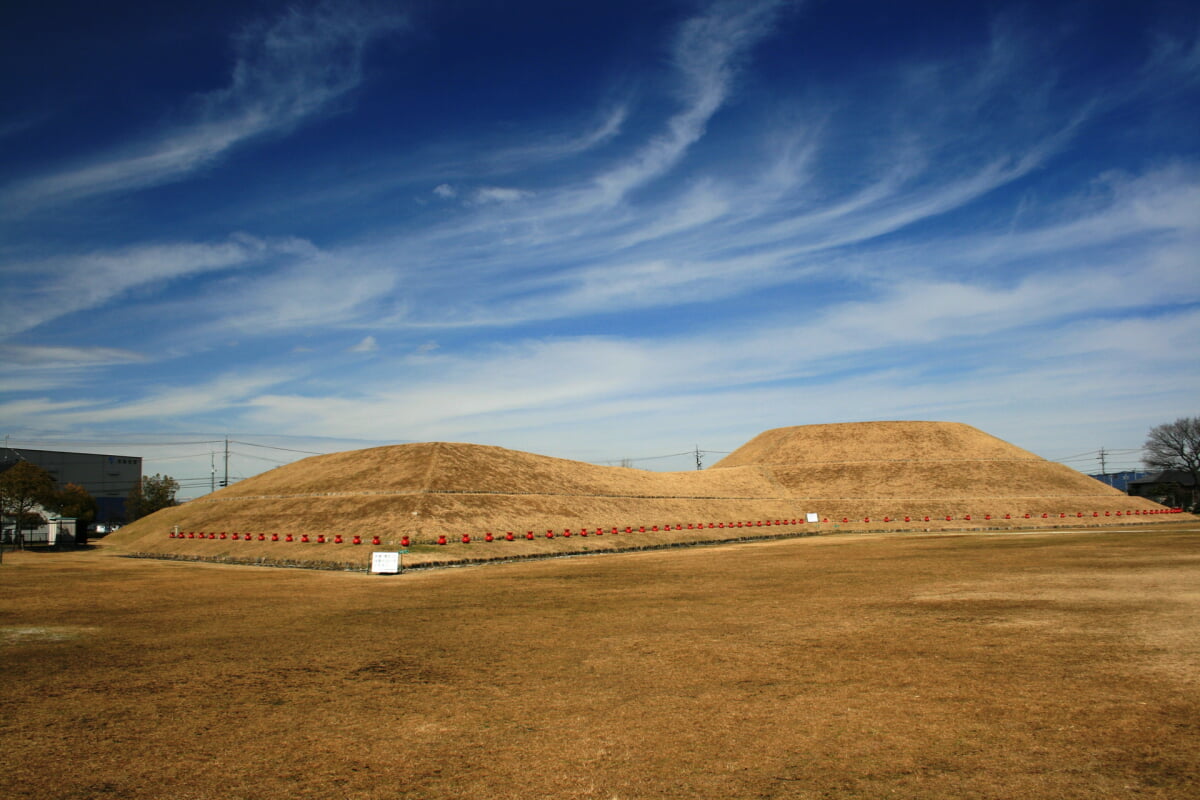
point(458, 562)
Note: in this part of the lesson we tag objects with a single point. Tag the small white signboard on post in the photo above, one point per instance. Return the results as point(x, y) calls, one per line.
point(385, 563)
point(813, 517)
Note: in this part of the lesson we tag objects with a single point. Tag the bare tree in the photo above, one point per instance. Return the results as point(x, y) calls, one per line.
point(1176, 445)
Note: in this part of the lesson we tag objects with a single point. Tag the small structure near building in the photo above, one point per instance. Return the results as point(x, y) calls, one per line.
point(1119, 480)
point(1171, 487)
point(54, 531)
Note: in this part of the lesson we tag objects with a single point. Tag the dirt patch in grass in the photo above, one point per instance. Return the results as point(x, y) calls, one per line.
point(1057, 664)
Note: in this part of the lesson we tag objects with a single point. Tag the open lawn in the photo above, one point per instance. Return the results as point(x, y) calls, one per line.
point(1049, 664)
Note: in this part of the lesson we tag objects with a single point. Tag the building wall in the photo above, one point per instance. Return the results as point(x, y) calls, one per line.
point(109, 479)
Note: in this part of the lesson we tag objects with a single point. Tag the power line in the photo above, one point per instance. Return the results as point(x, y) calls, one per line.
point(87, 443)
point(273, 447)
point(259, 458)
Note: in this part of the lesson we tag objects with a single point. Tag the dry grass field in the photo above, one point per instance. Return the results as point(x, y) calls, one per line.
point(1050, 664)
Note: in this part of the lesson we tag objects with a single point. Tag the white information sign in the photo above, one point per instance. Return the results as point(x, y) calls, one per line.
point(813, 517)
point(385, 563)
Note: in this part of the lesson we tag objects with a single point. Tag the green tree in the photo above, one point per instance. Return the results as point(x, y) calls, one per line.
point(149, 495)
point(23, 487)
point(1176, 445)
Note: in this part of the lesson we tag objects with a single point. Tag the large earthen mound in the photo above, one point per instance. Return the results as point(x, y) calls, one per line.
point(865, 442)
point(854, 476)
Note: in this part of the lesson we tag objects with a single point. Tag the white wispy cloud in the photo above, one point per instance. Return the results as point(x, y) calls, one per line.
point(550, 147)
point(217, 395)
point(367, 345)
point(315, 291)
point(498, 194)
point(58, 357)
point(706, 53)
point(286, 71)
point(59, 286)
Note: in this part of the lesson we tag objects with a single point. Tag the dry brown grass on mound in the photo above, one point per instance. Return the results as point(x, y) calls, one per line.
point(974, 479)
point(860, 472)
point(872, 441)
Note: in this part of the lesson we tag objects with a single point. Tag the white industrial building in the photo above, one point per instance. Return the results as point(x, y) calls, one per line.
point(107, 478)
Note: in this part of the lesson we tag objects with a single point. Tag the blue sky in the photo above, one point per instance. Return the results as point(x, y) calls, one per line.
point(596, 231)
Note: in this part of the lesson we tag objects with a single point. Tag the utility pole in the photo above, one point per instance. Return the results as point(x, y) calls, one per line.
point(699, 459)
point(1103, 471)
point(226, 481)
point(212, 466)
